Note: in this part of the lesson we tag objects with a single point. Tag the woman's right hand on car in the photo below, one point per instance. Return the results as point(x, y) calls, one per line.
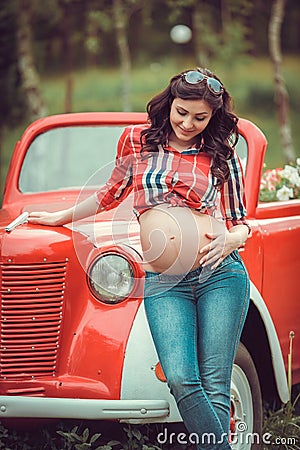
point(53, 219)
point(86, 208)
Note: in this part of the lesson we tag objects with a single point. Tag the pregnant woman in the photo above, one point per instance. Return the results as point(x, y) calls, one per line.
point(188, 191)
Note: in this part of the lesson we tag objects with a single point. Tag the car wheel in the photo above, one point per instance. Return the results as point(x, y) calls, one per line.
point(246, 403)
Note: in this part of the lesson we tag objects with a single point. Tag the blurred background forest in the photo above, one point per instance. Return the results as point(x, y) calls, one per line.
point(109, 55)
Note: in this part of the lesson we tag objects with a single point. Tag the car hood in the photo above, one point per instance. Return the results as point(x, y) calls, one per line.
point(30, 242)
point(33, 244)
point(106, 233)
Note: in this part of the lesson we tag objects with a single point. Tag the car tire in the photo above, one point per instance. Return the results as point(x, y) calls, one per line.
point(246, 403)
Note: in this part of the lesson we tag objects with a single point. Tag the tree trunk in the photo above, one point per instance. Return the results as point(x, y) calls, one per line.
point(29, 76)
point(120, 20)
point(199, 28)
point(1, 170)
point(281, 94)
point(226, 18)
point(67, 51)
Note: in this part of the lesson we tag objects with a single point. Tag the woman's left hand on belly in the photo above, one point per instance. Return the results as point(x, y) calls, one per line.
point(222, 243)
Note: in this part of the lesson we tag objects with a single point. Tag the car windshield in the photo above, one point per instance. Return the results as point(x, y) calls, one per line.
point(76, 156)
point(242, 151)
point(69, 158)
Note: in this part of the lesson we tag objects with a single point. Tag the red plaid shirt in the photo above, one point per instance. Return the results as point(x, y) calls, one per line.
point(169, 176)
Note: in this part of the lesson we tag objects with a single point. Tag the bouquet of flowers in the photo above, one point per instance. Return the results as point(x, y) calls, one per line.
point(281, 184)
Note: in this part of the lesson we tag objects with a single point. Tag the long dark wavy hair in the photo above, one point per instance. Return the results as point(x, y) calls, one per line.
point(217, 139)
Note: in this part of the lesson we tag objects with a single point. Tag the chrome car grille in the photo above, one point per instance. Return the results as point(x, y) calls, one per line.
point(31, 315)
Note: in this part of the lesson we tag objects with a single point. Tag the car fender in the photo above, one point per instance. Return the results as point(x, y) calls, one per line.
point(276, 353)
point(138, 376)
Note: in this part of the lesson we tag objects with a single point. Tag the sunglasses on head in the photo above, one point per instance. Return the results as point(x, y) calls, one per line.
point(195, 77)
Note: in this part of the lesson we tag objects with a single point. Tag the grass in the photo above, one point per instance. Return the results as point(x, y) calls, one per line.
point(250, 83)
point(99, 89)
point(282, 428)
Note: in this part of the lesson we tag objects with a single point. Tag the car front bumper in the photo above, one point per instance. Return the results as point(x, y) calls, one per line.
point(75, 408)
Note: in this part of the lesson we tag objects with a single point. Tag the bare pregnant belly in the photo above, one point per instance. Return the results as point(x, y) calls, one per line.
point(171, 238)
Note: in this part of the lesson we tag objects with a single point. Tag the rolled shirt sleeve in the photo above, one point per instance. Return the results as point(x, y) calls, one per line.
point(233, 195)
point(119, 185)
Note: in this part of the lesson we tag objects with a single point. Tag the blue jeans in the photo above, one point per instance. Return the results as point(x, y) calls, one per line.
point(196, 320)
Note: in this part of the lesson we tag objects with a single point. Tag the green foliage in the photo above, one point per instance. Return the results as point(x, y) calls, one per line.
point(97, 22)
point(215, 38)
point(260, 96)
point(76, 438)
point(234, 27)
point(283, 428)
point(136, 440)
point(12, 440)
point(83, 441)
point(12, 108)
point(235, 46)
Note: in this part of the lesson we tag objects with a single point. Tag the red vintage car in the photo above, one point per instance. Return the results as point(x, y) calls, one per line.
point(75, 342)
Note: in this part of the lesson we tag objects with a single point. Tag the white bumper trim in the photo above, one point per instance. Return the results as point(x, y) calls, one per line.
point(73, 408)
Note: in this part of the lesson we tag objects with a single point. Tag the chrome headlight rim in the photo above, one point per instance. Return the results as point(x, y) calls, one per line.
point(113, 299)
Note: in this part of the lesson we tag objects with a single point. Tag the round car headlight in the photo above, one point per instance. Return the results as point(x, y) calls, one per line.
point(111, 278)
